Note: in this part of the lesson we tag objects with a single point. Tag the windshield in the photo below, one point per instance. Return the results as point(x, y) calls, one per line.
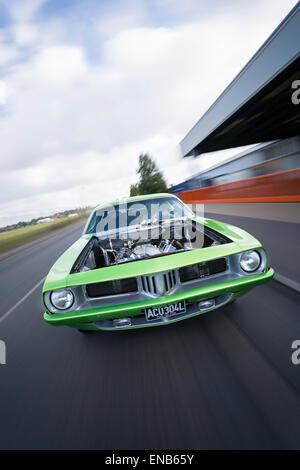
point(131, 214)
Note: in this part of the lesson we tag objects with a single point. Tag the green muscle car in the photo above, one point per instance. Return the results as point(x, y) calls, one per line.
point(148, 261)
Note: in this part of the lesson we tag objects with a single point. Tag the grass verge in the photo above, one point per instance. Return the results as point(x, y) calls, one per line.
point(20, 236)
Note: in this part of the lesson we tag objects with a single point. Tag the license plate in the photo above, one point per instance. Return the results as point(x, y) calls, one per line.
point(154, 313)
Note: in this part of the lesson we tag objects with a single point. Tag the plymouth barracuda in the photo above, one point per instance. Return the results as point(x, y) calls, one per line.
point(148, 261)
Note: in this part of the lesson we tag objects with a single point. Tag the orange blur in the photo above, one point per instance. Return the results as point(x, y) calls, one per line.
point(283, 186)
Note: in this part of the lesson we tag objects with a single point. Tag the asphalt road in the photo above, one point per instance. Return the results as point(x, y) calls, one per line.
point(221, 380)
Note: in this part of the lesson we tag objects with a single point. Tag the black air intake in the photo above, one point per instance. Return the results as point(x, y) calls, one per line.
point(121, 286)
point(199, 270)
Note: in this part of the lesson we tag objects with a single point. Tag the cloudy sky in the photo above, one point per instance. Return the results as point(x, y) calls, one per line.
point(87, 85)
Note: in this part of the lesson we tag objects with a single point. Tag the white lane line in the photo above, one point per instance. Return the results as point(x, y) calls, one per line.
point(287, 282)
point(21, 300)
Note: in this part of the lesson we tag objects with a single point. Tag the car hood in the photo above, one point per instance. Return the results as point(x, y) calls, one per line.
point(60, 277)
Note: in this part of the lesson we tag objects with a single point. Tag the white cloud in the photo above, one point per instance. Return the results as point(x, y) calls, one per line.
point(72, 131)
point(8, 54)
point(58, 66)
point(2, 92)
point(23, 11)
point(141, 47)
point(23, 30)
point(25, 34)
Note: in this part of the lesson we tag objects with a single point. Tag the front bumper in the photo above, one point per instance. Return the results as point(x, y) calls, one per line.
point(100, 318)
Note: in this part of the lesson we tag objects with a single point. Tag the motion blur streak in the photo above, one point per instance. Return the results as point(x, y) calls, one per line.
point(283, 186)
point(221, 380)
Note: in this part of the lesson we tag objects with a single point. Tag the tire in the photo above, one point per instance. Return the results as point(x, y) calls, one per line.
point(85, 331)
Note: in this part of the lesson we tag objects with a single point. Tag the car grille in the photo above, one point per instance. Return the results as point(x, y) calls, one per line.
point(157, 284)
point(120, 286)
point(160, 283)
point(199, 270)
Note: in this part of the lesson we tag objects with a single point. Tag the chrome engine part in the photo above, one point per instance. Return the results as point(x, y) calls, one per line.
point(101, 252)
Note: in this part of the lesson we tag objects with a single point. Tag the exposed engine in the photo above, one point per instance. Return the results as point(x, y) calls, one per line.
point(101, 252)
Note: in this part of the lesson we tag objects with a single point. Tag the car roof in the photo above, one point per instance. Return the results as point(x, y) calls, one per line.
point(135, 198)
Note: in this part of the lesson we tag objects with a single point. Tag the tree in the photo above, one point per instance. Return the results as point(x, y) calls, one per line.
point(134, 189)
point(151, 179)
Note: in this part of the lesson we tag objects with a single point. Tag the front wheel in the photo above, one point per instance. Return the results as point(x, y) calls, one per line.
point(85, 331)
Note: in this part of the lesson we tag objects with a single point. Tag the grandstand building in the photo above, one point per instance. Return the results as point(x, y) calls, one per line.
point(256, 108)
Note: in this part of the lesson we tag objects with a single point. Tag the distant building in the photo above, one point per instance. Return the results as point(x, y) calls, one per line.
point(42, 221)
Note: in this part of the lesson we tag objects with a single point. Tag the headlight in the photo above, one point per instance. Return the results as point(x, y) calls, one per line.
point(250, 261)
point(62, 299)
